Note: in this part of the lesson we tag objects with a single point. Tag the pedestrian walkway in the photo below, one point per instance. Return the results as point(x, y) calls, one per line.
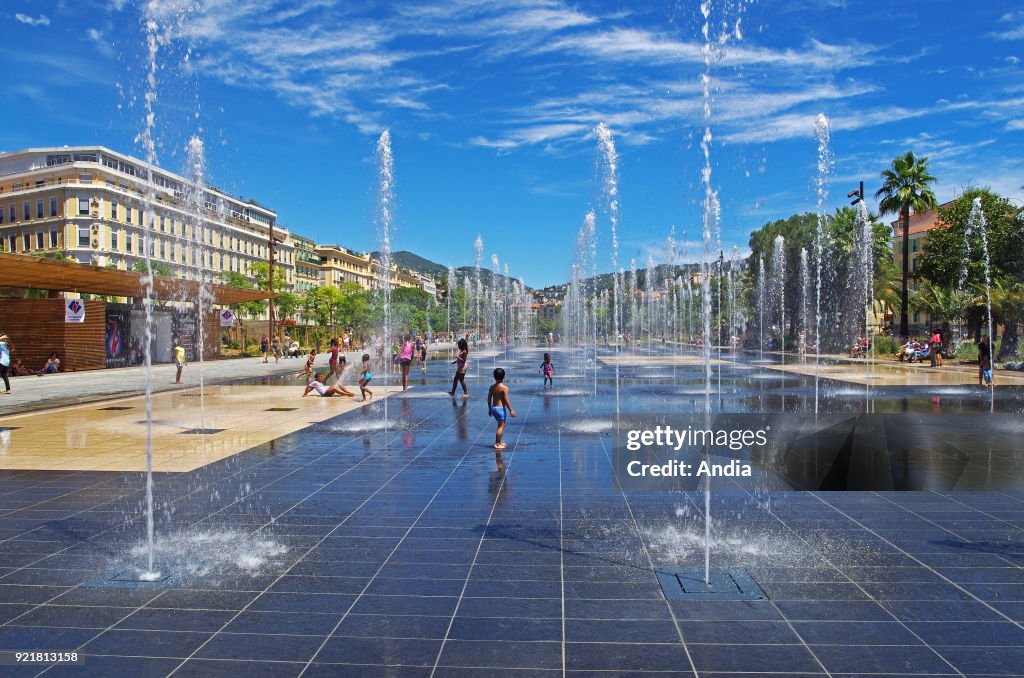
point(53, 390)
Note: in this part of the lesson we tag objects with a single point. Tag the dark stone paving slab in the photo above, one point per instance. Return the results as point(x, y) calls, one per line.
point(343, 550)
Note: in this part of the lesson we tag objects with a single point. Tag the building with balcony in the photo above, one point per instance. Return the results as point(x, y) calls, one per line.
point(89, 203)
point(921, 224)
point(339, 265)
point(308, 264)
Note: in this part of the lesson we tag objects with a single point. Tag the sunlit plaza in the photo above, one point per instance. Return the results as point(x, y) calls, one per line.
point(512, 338)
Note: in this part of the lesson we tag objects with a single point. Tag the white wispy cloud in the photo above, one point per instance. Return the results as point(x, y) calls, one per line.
point(41, 20)
point(1014, 30)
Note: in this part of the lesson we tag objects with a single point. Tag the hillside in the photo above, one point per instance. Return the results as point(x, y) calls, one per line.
point(406, 259)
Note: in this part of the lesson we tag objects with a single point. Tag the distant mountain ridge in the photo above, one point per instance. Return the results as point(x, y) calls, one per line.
point(412, 261)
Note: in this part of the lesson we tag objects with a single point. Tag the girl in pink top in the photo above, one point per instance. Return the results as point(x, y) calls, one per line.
point(405, 360)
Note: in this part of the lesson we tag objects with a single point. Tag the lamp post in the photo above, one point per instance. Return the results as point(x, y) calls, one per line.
point(856, 194)
point(272, 242)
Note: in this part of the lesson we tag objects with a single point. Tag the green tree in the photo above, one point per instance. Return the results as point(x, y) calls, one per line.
point(245, 309)
point(159, 268)
point(906, 186)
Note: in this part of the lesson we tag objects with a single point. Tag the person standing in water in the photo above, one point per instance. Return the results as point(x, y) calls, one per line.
point(461, 363)
point(364, 379)
point(498, 406)
point(179, 360)
point(548, 370)
point(405, 360)
point(985, 361)
point(332, 363)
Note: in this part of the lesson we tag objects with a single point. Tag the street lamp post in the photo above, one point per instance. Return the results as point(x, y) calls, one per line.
point(856, 194)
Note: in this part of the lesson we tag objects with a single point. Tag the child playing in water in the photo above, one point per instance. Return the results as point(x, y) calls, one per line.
point(308, 372)
point(498, 406)
point(548, 370)
point(364, 380)
point(461, 363)
point(323, 389)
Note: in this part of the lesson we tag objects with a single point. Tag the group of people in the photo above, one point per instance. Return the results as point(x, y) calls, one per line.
point(916, 351)
point(408, 349)
point(16, 368)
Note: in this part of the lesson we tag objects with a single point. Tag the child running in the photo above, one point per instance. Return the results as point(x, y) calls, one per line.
point(461, 363)
point(498, 406)
point(364, 380)
point(548, 370)
point(332, 362)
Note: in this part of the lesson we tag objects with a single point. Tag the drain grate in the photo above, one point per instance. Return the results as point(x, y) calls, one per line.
point(202, 431)
point(280, 409)
point(114, 408)
point(687, 583)
point(131, 578)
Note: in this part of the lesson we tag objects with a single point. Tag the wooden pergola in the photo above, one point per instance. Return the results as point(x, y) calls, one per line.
point(21, 271)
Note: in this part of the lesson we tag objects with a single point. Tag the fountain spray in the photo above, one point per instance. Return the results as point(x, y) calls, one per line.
point(976, 225)
point(610, 164)
point(385, 204)
point(823, 133)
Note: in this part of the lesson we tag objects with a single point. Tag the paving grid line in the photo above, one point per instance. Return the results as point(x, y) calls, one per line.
point(693, 501)
point(412, 526)
point(1009, 563)
point(318, 543)
point(161, 593)
point(561, 518)
point(921, 563)
point(647, 553)
point(480, 542)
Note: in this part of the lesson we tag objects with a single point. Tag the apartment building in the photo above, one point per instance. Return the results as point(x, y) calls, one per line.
point(308, 273)
point(921, 224)
point(89, 203)
point(340, 265)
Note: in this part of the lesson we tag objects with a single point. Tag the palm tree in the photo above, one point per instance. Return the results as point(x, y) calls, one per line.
point(905, 187)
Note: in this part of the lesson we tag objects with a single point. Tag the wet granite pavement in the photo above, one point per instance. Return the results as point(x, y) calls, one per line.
point(350, 549)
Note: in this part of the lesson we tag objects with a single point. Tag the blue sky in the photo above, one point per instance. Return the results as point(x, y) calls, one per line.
point(492, 104)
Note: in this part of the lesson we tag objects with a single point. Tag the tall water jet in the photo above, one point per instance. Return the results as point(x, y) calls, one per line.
point(385, 206)
point(866, 273)
point(779, 290)
point(451, 290)
point(493, 311)
point(195, 203)
point(823, 133)
point(804, 295)
point(977, 226)
point(632, 291)
point(159, 21)
point(762, 301)
point(610, 164)
point(478, 253)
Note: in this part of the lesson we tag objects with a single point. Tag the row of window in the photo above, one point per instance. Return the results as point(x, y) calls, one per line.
point(27, 212)
point(28, 241)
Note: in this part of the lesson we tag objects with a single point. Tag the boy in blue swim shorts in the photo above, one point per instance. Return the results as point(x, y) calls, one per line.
point(498, 406)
